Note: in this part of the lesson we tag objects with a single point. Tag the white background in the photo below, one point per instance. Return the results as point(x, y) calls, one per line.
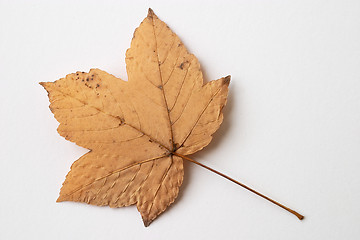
point(291, 129)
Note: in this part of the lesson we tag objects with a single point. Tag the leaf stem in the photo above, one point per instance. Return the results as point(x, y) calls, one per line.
point(298, 215)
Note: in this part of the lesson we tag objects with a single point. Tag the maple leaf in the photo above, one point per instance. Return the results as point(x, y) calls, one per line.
point(139, 131)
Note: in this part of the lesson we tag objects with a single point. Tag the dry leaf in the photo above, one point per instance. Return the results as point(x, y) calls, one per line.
point(136, 129)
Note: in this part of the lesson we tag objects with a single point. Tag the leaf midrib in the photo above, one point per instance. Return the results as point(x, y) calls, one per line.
point(162, 86)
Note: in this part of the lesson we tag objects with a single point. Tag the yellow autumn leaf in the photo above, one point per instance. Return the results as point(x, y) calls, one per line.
point(138, 130)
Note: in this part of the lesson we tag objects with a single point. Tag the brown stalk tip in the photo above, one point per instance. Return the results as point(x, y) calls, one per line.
point(299, 216)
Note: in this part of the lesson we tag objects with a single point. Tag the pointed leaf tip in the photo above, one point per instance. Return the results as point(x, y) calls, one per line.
point(227, 79)
point(44, 85)
point(61, 198)
point(150, 13)
point(146, 222)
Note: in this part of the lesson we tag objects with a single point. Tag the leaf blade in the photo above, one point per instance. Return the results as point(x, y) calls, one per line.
point(134, 128)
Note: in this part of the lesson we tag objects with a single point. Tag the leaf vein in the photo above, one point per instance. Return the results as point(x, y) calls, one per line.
point(116, 171)
point(212, 98)
point(162, 180)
